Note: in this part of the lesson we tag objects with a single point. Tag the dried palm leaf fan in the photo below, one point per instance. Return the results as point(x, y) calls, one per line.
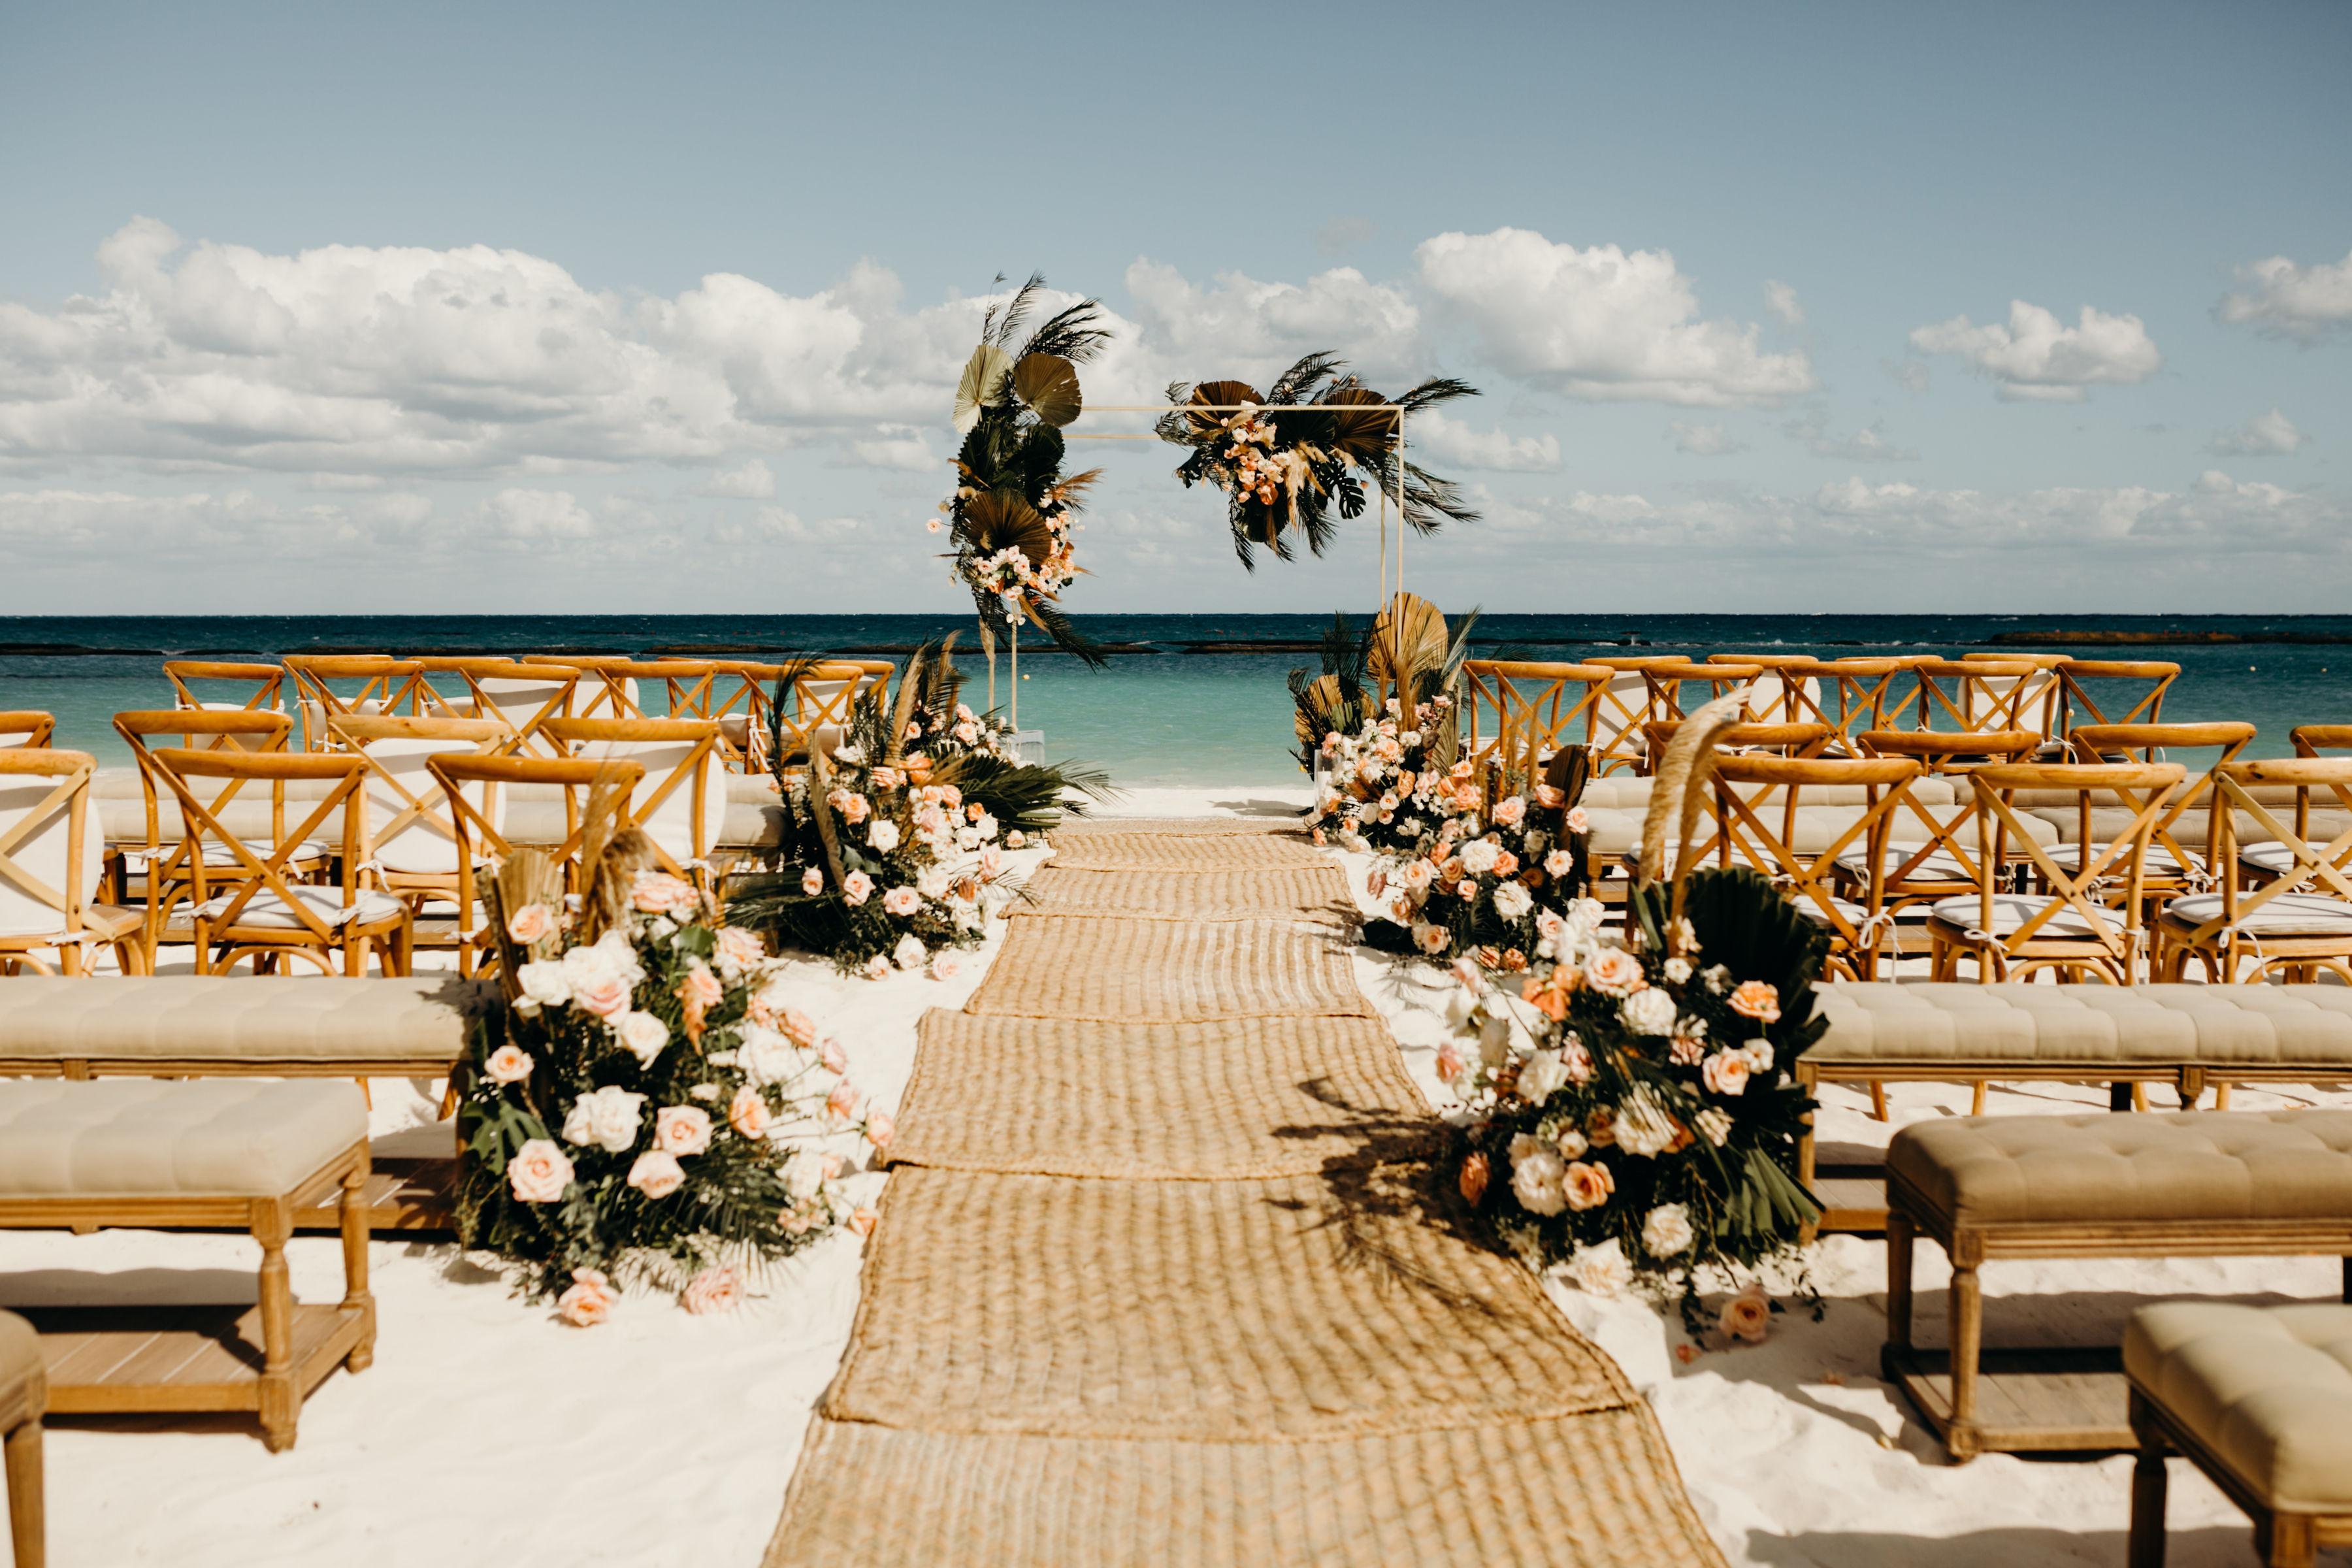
point(1409, 648)
point(611, 878)
point(525, 877)
point(1679, 793)
point(1212, 394)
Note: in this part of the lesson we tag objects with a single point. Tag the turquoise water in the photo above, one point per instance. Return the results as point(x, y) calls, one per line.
point(1166, 716)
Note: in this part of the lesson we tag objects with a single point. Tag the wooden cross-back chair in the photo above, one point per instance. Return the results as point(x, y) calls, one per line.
point(606, 690)
point(260, 911)
point(595, 796)
point(2300, 918)
point(1801, 739)
point(387, 685)
point(2042, 698)
point(1752, 791)
point(414, 854)
point(1517, 713)
point(1931, 854)
point(1629, 701)
point(158, 858)
point(1858, 695)
point(522, 694)
point(1977, 695)
point(824, 697)
point(2175, 863)
point(1785, 692)
point(263, 685)
point(52, 861)
point(2089, 687)
point(739, 700)
point(681, 803)
point(2076, 926)
point(26, 727)
point(1706, 682)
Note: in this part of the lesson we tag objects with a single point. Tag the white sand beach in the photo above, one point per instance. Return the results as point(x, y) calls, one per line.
point(490, 1433)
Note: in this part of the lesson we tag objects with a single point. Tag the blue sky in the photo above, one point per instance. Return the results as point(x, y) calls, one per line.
point(541, 307)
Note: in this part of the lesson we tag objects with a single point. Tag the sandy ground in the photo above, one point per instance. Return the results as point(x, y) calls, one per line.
point(488, 1433)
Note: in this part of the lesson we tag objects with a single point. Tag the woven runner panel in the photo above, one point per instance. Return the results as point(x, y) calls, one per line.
point(1302, 1307)
point(1144, 971)
point(1177, 828)
point(1215, 895)
point(1127, 851)
point(1597, 1491)
point(1269, 1096)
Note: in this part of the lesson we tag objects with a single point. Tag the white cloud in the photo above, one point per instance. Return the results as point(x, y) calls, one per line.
point(754, 480)
point(536, 516)
point(2284, 299)
point(1867, 444)
point(1243, 328)
point(1601, 323)
point(118, 528)
point(1781, 301)
point(1911, 375)
point(1704, 440)
point(898, 446)
point(2036, 357)
point(2265, 436)
point(1442, 440)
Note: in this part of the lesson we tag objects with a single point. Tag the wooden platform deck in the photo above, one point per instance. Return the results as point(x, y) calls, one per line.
point(118, 1360)
point(403, 1193)
point(2047, 1400)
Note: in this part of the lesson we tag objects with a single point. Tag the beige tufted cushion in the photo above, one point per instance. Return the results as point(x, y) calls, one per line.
point(24, 1377)
point(2122, 1168)
point(180, 1017)
point(136, 1137)
point(2268, 1389)
point(2098, 1025)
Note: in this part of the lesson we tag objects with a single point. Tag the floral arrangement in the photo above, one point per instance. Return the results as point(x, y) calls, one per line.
point(651, 1102)
point(1013, 514)
point(1387, 787)
point(1632, 1116)
point(1289, 458)
point(1496, 882)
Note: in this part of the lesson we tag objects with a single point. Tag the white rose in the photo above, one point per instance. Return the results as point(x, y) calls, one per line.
point(1479, 857)
point(644, 1033)
point(1648, 1012)
point(1601, 1270)
point(1585, 915)
point(1666, 1232)
point(934, 882)
point(883, 835)
point(1536, 1177)
point(1512, 901)
point(910, 953)
point(544, 982)
point(1758, 1055)
point(765, 1056)
point(1642, 1128)
point(606, 1119)
point(805, 1175)
point(1543, 1075)
point(1677, 970)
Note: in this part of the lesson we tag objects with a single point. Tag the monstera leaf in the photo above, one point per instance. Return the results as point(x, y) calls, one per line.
point(983, 386)
point(1048, 383)
point(1221, 394)
point(1000, 520)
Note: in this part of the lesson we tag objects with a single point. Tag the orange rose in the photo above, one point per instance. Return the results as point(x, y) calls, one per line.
point(1475, 1171)
point(1757, 999)
point(1588, 1184)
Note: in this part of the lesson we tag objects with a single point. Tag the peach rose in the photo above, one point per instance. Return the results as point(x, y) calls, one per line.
point(1476, 1174)
point(945, 966)
point(607, 996)
point(739, 949)
point(1613, 972)
point(843, 1101)
point(1560, 863)
point(658, 892)
point(1549, 796)
point(507, 1064)
point(880, 1127)
point(539, 1171)
point(701, 988)
point(1510, 811)
point(856, 889)
point(863, 1221)
point(714, 1291)
point(1747, 1317)
point(1578, 823)
point(1587, 1184)
point(589, 1301)
point(1757, 999)
point(886, 779)
point(1449, 1062)
point(528, 923)
point(657, 1174)
point(835, 1059)
point(798, 1027)
point(812, 881)
point(682, 1129)
point(1725, 1072)
point(902, 901)
point(747, 1112)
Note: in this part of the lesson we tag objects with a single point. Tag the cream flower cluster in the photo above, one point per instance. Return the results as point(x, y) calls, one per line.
point(1375, 788)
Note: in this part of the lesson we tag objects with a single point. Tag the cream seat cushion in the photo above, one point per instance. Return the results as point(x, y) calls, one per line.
point(2011, 911)
point(2109, 1168)
point(135, 1137)
point(1946, 1022)
point(2289, 914)
point(197, 1017)
point(269, 911)
point(2268, 1389)
point(2273, 859)
point(24, 1373)
point(1937, 865)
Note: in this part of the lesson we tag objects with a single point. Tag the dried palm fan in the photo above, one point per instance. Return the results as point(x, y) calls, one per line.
point(525, 877)
point(1213, 394)
point(1679, 790)
point(612, 878)
point(1409, 645)
point(1317, 709)
point(1570, 770)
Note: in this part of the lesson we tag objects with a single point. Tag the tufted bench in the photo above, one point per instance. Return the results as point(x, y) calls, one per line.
point(2195, 1182)
point(2258, 1398)
point(206, 1154)
point(24, 1395)
point(2186, 1036)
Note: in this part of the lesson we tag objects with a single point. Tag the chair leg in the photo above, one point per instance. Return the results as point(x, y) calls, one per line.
point(1976, 1096)
point(2287, 1541)
point(1877, 1101)
point(355, 1216)
point(1901, 1242)
point(28, 1526)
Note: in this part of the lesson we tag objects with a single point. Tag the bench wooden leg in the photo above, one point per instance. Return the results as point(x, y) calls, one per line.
point(1902, 1240)
point(355, 1266)
point(2146, 1548)
point(27, 1527)
point(280, 1401)
point(2286, 1540)
point(1968, 1346)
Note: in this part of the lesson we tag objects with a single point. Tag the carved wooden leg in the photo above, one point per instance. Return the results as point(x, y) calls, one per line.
point(2146, 1548)
point(1968, 1346)
point(27, 1529)
point(2287, 1541)
point(1902, 1241)
point(354, 1217)
point(280, 1403)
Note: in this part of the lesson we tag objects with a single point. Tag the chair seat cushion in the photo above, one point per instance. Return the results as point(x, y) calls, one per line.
point(238, 1018)
point(1936, 866)
point(24, 1376)
point(270, 911)
point(2010, 913)
point(2289, 914)
point(2266, 1389)
point(2107, 1168)
point(2099, 1026)
point(2158, 862)
point(134, 1137)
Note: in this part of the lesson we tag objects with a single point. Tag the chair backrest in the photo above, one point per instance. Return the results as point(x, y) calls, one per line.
point(51, 854)
point(606, 690)
point(384, 685)
point(1856, 694)
point(1933, 845)
point(1756, 803)
point(2078, 889)
point(2112, 692)
point(681, 802)
point(146, 731)
point(413, 834)
point(26, 726)
point(476, 789)
point(2324, 869)
point(2147, 743)
point(522, 695)
point(334, 803)
point(823, 697)
point(1787, 693)
point(1519, 713)
point(2039, 696)
point(2311, 740)
point(741, 701)
point(260, 687)
point(1705, 683)
point(1974, 696)
point(1629, 701)
point(1801, 739)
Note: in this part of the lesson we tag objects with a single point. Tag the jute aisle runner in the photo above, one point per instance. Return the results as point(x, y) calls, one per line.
point(1165, 1275)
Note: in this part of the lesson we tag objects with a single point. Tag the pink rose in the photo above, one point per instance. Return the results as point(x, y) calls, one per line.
point(739, 949)
point(607, 997)
point(1613, 972)
point(877, 968)
point(1757, 999)
point(589, 1301)
point(1725, 1072)
point(1449, 1061)
point(528, 923)
point(843, 1101)
point(507, 1064)
point(856, 889)
point(657, 1174)
point(682, 1129)
point(701, 988)
point(1016, 839)
point(991, 863)
point(880, 1127)
point(1577, 821)
point(886, 779)
point(1510, 811)
point(854, 808)
point(945, 966)
point(812, 881)
point(902, 901)
point(747, 1112)
point(1748, 1316)
point(1559, 863)
point(834, 1058)
point(658, 892)
point(539, 1171)
point(714, 1291)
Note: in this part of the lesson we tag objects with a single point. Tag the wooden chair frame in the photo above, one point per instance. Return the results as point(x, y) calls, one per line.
point(604, 690)
point(1740, 827)
point(2219, 943)
point(80, 918)
point(2076, 677)
point(487, 738)
point(800, 724)
point(691, 773)
point(1781, 686)
point(481, 703)
point(1721, 679)
point(28, 1535)
point(2140, 743)
point(1760, 739)
point(1617, 736)
point(2311, 740)
point(1537, 709)
point(2108, 953)
point(164, 870)
point(393, 685)
point(37, 728)
point(455, 774)
point(312, 938)
point(1983, 703)
point(1909, 882)
point(268, 681)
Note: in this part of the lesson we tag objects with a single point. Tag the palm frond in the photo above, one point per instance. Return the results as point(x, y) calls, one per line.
point(1074, 333)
